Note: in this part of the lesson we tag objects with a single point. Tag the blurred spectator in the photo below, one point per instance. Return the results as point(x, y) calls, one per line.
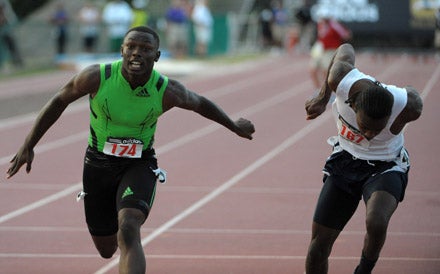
point(307, 27)
point(60, 19)
point(437, 32)
point(7, 41)
point(140, 14)
point(280, 21)
point(330, 35)
point(118, 17)
point(89, 18)
point(203, 22)
point(266, 19)
point(177, 28)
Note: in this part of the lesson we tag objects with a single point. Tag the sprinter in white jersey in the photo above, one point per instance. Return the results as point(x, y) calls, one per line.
point(369, 159)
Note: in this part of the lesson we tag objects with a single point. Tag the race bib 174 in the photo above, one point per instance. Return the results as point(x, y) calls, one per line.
point(123, 147)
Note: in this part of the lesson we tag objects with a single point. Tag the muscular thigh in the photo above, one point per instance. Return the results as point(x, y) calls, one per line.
point(100, 185)
point(335, 207)
point(137, 188)
point(393, 182)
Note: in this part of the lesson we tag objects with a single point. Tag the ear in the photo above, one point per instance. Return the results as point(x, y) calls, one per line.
point(353, 106)
point(157, 56)
point(122, 50)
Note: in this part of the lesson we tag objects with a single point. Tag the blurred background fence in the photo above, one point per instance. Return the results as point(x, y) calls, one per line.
point(390, 24)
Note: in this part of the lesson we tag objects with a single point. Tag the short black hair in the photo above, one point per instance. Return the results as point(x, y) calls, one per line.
point(145, 29)
point(376, 101)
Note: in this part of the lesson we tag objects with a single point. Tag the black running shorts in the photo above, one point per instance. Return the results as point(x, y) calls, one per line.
point(347, 180)
point(112, 183)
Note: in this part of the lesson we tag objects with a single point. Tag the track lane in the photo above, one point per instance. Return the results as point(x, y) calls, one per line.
point(164, 260)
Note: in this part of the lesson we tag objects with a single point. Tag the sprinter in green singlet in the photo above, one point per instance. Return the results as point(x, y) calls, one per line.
point(120, 167)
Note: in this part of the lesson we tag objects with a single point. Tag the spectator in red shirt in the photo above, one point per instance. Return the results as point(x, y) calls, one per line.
point(330, 35)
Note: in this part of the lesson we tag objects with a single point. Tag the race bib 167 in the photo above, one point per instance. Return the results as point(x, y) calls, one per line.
point(351, 134)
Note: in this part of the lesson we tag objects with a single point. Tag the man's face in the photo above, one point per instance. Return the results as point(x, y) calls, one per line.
point(368, 126)
point(139, 52)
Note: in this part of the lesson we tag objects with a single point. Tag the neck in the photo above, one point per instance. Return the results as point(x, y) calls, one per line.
point(136, 80)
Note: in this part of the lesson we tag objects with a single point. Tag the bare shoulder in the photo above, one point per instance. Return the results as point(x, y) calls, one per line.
point(175, 86)
point(343, 62)
point(176, 95)
point(337, 72)
point(88, 80)
point(411, 112)
point(92, 70)
point(345, 53)
point(414, 105)
point(85, 82)
point(175, 90)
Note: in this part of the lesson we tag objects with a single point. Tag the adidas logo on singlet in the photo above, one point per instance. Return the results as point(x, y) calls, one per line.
point(143, 93)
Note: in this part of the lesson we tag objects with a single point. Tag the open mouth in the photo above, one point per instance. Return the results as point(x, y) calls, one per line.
point(135, 65)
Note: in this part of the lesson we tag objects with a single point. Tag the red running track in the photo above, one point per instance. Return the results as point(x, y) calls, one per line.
point(230, 205)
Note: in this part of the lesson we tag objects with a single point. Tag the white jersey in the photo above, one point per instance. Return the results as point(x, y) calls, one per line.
point(385, 146)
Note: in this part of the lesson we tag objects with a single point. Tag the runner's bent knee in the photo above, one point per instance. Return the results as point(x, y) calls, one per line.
point(106, 245)
point(130, 221)
point(376, 223)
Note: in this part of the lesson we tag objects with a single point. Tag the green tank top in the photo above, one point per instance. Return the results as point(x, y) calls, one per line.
point(119, 114)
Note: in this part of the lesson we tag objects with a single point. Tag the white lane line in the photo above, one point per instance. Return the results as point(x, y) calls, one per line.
point(244, 83)
point(273, 101)
point(47, 255)
point(211, 257)
point(42, 202)
point(82, 105)
point(231, 182)
point(280, 97)
point(430, 84)
point(199, 189)
point(210, 196)
point(403, 259)
point(163, 149)
point(19, 120)
point(81, 136)
point(226, 231)
point(228, 184)
point(272, 257)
